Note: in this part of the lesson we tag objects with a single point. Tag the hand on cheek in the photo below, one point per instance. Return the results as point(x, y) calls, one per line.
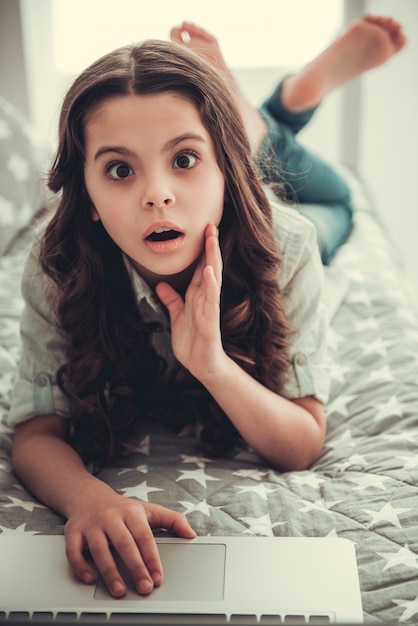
point(195, 321)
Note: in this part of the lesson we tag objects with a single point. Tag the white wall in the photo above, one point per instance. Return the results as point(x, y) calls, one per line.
point(389, 136)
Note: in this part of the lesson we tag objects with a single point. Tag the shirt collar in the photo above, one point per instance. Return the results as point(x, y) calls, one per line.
point(141, 288)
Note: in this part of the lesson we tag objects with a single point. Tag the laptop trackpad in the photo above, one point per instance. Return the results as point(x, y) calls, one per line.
point(191, 572)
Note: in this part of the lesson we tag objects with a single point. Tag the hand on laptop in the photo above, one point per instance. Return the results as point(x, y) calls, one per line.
point(112, 519)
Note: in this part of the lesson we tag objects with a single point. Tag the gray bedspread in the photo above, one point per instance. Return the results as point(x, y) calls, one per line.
point(364, 487)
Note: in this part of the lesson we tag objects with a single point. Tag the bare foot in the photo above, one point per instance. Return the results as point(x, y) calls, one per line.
point(191, 36)
point(196, 39)
point(367, 43)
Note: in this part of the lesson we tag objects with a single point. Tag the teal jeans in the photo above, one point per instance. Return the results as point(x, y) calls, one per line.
point(319, 192)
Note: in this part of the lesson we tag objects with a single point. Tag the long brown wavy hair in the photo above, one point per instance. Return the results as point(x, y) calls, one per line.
point(113, 375)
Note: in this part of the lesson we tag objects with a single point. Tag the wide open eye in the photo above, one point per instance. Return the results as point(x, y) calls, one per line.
point(119, 171)
point(185, 160)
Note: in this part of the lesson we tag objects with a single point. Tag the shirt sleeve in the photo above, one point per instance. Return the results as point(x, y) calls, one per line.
point(43, 349)
point(301, 279)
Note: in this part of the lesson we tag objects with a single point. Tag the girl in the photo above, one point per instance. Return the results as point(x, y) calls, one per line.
point(164, 287)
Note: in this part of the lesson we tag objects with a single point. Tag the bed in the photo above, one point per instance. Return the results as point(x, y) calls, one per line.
point(364, 487)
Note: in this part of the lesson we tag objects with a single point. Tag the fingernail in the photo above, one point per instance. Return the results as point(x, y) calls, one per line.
point(88, 577)
point(145, 586)
point(117, 588)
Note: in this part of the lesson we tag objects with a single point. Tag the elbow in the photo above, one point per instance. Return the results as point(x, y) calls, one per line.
point(310, 437)
point(303, 453)
point(296, 463)
point(314, 450)
point(305, 461)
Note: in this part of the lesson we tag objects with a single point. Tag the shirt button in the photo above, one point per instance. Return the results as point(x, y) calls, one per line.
point(41, 381)
point(300, 360)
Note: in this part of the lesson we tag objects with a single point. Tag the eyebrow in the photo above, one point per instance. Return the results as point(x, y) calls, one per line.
point(118, 149)
point(186, 137)
point(168, 146)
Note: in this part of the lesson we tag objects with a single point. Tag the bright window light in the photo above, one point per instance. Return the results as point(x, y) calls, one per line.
point(261, 34)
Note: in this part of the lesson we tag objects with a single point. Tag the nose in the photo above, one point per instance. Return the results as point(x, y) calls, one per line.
point(157, 195)
point(151, 204)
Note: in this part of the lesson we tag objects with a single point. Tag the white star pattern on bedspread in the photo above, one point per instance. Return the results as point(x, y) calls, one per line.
point(26, 505)
point(404, 556)
point(364, 487)
point(5, 130)
point(199, 475)
point(19, 167)
point(262, 525)
point(410, 606)
point(386, 514)
point(7, 211)
point(19, 174)
point(20, 529)
point(140, 492)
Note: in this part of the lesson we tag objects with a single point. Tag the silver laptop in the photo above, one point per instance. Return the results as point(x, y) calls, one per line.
point(207, 580)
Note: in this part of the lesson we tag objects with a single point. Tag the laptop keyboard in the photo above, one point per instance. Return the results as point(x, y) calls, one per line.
point(122, 619)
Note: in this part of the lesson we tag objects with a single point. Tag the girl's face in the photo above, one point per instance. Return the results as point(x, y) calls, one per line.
point(153, 179)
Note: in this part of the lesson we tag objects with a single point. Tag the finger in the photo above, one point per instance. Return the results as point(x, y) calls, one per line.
point(74, 546)
point(170, 298)
point(213, 252)
point(100, 552)
point(211, 290)
point(161, 517)
point(198, 273)
point(182, 528)
point(149, 553)
point(131, 553)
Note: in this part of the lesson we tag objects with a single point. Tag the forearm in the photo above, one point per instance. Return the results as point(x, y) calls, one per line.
point(283, 431)
point(50, 468)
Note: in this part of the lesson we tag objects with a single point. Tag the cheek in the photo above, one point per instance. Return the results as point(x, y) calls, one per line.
point(94, 214)
point(90, 191)
point(216, 192)
point(221, 205)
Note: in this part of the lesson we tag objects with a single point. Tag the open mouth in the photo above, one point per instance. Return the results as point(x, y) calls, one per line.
point(163, 234)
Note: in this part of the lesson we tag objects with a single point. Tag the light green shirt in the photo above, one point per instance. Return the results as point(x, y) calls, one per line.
point(301, 280)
